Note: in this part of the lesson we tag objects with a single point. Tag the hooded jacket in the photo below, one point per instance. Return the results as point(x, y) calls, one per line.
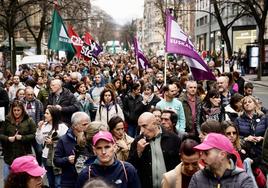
point(232, 178)
point(120, 174)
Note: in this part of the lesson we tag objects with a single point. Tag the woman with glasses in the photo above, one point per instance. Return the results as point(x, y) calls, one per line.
point(231, 132)
point(17, 135)
point(210, 108)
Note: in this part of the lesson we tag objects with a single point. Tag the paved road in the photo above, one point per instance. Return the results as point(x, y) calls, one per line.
point(262, 93)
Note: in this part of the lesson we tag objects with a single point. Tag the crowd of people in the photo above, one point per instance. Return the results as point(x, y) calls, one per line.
point(113, 125)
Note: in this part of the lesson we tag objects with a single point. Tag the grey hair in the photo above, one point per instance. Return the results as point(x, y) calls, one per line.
point(190, 82)
point(77, 116)
point(57, 81)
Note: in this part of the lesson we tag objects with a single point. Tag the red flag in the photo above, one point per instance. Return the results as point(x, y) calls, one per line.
point(76, 41)
point(90, 49)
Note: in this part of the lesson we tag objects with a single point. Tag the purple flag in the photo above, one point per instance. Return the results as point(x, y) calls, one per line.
point(143, 62)
point(178, 42)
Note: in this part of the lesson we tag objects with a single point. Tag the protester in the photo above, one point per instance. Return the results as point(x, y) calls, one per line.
point(181, 175)
point(64, 100)
point(25, 173)
point(14, 87)
point(210, 108)
point(65, 150)
point(252, 125)
point(48, 133)
point(169, 101)
point(118, 173)
point(190, 101)
point(169, 120)
point(231, 132)
point(108, 107)
point(122, 140)
point(17, 135)
point(154, 152)
point(133, 108)
point(220, 170)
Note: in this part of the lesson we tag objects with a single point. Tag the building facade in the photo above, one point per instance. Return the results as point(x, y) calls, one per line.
point(207, 32)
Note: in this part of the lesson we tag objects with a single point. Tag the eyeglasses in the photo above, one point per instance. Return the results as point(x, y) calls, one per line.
point(231, 133)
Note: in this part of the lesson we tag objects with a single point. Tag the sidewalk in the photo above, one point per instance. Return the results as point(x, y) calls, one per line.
point(252, 78)
point(249, 77)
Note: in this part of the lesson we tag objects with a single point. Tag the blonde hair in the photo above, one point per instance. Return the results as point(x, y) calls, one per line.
point(257, 106)
point(93, 128)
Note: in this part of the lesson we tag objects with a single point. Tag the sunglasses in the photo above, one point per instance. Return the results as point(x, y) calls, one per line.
point(231, 133)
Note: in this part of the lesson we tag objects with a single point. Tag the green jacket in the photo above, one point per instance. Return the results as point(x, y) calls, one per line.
point(12, 150)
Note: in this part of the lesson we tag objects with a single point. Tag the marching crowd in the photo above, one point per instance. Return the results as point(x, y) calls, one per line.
point(113, 125)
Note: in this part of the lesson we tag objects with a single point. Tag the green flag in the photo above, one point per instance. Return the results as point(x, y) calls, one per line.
point(59, 39)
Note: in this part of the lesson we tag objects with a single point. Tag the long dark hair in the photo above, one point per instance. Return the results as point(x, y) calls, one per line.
point(105, 91)
point(114, 121)
point(55, 114)
point(211, 93)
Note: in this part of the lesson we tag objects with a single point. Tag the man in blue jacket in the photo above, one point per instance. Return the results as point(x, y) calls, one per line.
point(65, 150)
point(117, 173)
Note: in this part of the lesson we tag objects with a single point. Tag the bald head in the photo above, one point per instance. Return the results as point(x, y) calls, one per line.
point(148, 125)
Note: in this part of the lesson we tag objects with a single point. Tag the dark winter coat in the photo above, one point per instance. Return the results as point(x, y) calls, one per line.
point(232, 178)
point(255, 127)
point(133, 108)
point(190, 125)
point(18, 148)
point(111, 174)
point(68, 103)
point(170, 144)
point(66, 147)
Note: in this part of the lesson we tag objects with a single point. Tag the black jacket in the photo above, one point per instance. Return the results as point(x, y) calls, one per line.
point(170, 144)
point(68, 103)
point(133, 108)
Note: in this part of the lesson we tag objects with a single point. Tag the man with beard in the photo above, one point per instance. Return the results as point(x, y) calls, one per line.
point(159, 83)
point(223, 88)
point(220, 169)
point(170, 102)
point(14, 88)
point(74, 79)
point(181, 175)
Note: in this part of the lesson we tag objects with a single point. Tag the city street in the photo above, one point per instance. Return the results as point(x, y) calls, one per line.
point(262, 93)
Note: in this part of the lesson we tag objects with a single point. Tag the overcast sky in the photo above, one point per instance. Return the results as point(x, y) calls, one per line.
point(121, 10)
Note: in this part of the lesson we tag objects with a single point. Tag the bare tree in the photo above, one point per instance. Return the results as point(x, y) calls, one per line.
point(128, 32)
point(225, 27)
point(11, 17)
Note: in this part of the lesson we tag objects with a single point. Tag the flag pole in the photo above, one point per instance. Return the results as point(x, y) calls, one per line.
point(165, 70)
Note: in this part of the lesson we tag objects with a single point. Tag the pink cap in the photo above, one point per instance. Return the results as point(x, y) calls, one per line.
point(103, 135)
point(218, 141)
point(27, 164)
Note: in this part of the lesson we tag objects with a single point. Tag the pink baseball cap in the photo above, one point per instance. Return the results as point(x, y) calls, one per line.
point(218, 141)
point(103, 135)
point(27, 164)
